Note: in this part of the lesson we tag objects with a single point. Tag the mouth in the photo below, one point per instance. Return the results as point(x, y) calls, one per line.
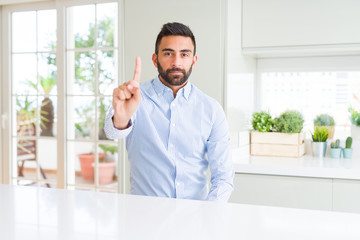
point(175, 72)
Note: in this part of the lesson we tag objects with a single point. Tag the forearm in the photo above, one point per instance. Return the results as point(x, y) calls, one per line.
point(111, 131)
point(221, 190)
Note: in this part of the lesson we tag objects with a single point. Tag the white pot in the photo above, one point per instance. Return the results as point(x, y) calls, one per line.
point(355, 132)
point(319, 149)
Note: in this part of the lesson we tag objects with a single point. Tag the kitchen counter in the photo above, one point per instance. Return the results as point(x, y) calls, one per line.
point(42, 213)
point(305, 166)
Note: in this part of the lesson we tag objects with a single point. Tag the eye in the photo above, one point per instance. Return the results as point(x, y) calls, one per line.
point(167, 53)
point(185, 55)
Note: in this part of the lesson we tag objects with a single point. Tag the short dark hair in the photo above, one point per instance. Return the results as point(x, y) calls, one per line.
point(174, 29)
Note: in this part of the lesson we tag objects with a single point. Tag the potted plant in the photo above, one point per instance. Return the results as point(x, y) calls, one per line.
point(326, 121)
point(289, 122)
point(262, 121)
point(335, 149)
point(319, 143)
point(355, 123)
point(347, 151)
point(106, 164)
point(279, 137)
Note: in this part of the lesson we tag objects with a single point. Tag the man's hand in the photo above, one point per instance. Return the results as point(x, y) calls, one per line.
point(126, 98)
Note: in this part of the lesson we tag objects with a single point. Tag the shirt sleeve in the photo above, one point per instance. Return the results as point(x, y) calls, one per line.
point(110, 130)
point(219, 157)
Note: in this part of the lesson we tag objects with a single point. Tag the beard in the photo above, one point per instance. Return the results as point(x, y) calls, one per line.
point(174, 80)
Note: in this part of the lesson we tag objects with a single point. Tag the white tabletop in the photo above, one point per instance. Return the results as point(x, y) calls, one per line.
point(41, 213)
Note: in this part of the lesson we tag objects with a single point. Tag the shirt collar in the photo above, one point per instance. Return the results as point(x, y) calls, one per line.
point(160, 88)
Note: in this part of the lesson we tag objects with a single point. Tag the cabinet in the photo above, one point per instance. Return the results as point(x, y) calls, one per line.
point(297, 192)
point(346, 195)
point(282, 23)
point(282, 191)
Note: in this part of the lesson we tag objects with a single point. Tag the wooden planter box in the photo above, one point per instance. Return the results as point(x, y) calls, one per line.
point(277, 144)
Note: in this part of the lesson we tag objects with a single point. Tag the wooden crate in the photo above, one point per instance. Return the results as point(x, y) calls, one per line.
point(277, 144)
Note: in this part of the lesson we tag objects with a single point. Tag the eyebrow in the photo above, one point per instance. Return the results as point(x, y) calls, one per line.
point(172, 50)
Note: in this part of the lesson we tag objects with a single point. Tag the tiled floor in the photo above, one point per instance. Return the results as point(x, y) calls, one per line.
point(80, 183)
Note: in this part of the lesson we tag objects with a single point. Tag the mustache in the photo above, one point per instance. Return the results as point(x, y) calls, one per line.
point(175, 70)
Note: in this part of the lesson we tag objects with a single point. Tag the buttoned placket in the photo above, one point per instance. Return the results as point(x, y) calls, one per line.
point(179, 185)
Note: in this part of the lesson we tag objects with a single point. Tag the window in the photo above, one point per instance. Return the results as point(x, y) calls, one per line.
point(91, 66)
point(312, 86)
point(34, 96)
point(47, 118)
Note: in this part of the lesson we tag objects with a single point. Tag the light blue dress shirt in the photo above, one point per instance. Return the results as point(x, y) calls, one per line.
point(171, 142)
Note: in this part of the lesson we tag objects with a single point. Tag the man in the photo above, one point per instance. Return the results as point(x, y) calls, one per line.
point(174, 131)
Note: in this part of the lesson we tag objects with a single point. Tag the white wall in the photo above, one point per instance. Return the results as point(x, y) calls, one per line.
point(143, 21)
point(1, 108)
point(241, 77)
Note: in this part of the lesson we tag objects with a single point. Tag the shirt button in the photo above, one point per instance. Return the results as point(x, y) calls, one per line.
point(159, 94)
point(177, 184)
point(173, 104)
point(173, 124)
point(171, 145)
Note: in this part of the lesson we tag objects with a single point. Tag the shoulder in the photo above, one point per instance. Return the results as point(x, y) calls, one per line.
point(206, 100)
point(147, 88)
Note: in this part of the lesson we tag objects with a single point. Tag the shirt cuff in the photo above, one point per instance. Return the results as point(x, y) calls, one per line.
point(110, 130)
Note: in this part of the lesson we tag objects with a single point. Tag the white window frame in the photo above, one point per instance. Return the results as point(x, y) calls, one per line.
point(5, 50)
point(293, 64)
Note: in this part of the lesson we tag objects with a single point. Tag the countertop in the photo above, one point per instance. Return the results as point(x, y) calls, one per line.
point(41, 213)
point(305, 166)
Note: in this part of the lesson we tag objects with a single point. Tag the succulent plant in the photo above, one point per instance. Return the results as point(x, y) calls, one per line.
point(289, 122)
point(262, 121)
point(320, 134)
point(335, 144)
point(348, 142)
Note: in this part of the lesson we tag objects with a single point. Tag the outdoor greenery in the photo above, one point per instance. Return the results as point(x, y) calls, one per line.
point(85, 75)
point(320, 134)
point(289, 122)
point(107, 149)
point(324, 120)
point(262, 121)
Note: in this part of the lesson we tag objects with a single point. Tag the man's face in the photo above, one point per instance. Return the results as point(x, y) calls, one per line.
point(175, 59)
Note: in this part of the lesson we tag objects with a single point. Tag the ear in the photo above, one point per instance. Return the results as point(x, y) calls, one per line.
point(154, 59)
point(195, 60)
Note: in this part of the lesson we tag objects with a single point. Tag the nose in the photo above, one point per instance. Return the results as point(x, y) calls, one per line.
point(176, 60)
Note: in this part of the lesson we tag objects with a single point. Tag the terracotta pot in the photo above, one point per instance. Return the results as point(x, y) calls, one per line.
point(106, 172)
point(86, 161)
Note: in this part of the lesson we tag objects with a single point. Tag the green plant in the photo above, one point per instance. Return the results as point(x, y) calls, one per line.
point(354, 116)
point(335, 144)
point(324, 120)
point(348, 142)
point(320, 134)
point(107, 149)
point(289, 122)
point(262, 121)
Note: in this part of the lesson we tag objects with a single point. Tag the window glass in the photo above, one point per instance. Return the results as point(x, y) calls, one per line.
point(312, 93)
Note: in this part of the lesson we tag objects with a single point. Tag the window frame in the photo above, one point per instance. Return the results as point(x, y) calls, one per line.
point(6, 107)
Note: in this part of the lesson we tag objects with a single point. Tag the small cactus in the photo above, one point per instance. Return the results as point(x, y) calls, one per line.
point(335, 144)
point(348, 142)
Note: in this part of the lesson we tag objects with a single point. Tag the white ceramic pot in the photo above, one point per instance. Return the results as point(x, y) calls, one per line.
point(355, 132)
point(319, 149)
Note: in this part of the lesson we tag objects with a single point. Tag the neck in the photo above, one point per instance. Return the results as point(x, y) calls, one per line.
point(174, 88)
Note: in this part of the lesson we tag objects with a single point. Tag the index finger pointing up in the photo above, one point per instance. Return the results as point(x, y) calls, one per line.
point(137, 72)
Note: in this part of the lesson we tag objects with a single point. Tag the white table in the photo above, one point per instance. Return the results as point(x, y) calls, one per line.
point(41, 213)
